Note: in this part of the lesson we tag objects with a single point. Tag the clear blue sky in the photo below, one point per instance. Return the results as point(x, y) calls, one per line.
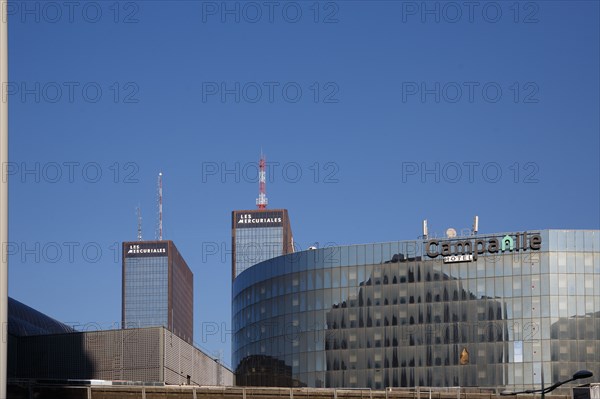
point(366, 93)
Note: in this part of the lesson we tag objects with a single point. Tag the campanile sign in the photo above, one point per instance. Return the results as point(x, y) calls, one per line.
point(467, 250)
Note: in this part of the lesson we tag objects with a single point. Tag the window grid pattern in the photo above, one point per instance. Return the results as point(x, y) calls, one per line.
point(146, 292)
point(256, 244)
point(382, 315)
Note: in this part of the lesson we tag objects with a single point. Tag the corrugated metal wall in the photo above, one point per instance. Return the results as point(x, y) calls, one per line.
point(182, 360)
point(130, 354)
point(112, 355)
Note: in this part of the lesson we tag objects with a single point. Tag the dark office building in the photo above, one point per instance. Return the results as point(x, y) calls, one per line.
point(151, 354)
point(158, 288)
point(486, 310)
point(42, 348)
point(258, 235)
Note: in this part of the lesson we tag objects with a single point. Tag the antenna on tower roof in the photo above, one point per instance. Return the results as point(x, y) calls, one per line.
point(138, 211)
point(262, 200)
point(159, 230)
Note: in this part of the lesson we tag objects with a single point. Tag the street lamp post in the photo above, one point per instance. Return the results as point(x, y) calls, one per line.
point(577, 376)
point(542, 375)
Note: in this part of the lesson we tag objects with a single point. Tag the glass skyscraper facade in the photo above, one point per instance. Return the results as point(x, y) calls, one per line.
point(488, 310)
point(157, 288)
point(147, 287)
point(258, 235)
point(257, 244)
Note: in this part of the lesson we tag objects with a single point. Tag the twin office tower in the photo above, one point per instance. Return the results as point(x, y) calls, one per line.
point(158, 287)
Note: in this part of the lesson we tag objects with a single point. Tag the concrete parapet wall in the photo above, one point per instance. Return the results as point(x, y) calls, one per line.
point(24, 391)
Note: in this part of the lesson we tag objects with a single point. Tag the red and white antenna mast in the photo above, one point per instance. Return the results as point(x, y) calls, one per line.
point(159, 232)
point(262, 200)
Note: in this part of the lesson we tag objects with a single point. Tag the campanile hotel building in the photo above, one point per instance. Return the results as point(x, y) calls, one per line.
point(486, 310)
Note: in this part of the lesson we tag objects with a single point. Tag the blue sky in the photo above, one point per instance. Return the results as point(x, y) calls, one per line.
point(373, 116)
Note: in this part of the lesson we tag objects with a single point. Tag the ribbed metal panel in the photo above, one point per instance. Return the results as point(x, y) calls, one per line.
point(130, 354)
point(182, 360)
point(141, 354)
point(111, 355)
point(178, 360)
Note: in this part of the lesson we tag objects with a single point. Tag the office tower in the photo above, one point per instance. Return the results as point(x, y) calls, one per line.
point(260, 234)
point(157, 288)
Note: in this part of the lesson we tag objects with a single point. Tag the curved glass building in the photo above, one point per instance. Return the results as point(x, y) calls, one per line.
point(25, 321)
point(496, 310)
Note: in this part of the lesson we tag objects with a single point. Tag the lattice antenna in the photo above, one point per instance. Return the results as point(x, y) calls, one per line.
point(138, 212)
point(159, 230)
point(262, 201)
